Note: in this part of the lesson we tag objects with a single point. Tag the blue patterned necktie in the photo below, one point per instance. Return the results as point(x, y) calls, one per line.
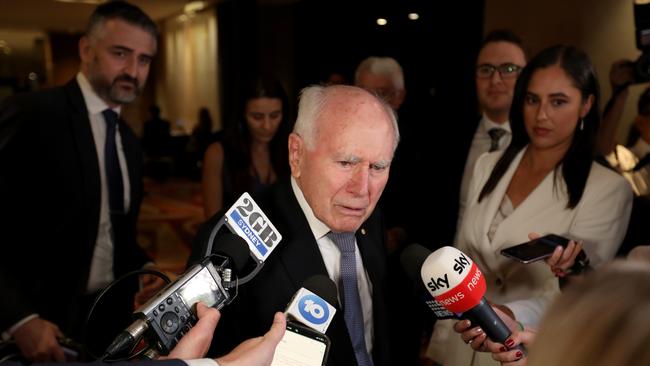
point(495, 136)
point(112, 164)
point(351, 300)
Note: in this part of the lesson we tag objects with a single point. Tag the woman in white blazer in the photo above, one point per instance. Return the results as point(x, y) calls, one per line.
point(546, 182)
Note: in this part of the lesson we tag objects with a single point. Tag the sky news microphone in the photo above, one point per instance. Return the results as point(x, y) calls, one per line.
point(166, 317)
point(456, 283)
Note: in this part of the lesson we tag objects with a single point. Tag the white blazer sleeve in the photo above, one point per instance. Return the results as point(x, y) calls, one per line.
point(603, 214)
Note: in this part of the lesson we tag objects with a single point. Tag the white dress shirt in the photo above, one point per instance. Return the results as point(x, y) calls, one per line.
point(480, 144)
point(332, 258)
point(101, 269)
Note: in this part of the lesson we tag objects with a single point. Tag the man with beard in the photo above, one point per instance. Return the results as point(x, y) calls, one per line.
point(70, 190)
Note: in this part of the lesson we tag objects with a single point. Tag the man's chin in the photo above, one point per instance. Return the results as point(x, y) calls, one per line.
point(347, 224)
point(123, 98)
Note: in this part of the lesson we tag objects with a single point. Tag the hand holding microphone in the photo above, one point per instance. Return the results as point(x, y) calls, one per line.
point(457, 284)
point(512, 357)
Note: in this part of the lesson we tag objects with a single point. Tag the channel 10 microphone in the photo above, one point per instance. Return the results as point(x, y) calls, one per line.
point(457, 283)
point(166, 317)
point(311, 304)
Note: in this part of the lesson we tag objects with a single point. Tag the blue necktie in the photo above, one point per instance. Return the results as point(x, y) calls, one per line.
point(351, 300)
point(112, 164)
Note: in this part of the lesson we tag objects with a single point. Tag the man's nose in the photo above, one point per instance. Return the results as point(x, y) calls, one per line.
point(358, 183)
point(131, 67)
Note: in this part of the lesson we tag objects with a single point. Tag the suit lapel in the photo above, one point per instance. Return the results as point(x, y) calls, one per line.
point(300, 255)
point(531, 207)
point(133, 164)
point(370, 253)
point(495, 198)
point(83, 137)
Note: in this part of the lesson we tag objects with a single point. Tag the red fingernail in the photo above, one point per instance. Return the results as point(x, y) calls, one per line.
point(518, 354)
point(503, 349)
point(510, 342)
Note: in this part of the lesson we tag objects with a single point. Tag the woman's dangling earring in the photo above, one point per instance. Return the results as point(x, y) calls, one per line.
point(582, 124)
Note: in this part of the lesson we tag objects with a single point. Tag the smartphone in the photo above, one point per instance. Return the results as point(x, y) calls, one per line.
point(536, 249)
point(301, 346)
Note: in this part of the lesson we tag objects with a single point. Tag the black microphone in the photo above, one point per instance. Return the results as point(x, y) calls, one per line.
point(412, 258)
point(456, 283)
point(166, 317)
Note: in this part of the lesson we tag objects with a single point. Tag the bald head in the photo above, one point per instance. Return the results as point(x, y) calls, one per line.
point(318, 100)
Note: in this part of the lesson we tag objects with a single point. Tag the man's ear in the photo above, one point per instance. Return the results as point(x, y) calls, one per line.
point(296, 152)
point(401, 95)
point(85, 50)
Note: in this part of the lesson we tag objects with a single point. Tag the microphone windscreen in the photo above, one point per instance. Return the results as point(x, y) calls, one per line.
point(453, 279)
point(234, 247)
point(322, 286)
point(412, 258)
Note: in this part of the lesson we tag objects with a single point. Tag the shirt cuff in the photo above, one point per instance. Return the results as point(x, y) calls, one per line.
point(6, 335)
point(202, 362)
point(528, 312)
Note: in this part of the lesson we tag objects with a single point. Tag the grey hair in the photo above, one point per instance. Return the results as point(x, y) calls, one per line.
point(386, 66)
point(312, 101)
point(119, 10)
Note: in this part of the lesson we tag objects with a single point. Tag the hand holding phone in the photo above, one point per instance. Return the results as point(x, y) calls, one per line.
point(536, 249)
point(301, 346)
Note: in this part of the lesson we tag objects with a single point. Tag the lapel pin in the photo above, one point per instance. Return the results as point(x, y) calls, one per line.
point(363, 231)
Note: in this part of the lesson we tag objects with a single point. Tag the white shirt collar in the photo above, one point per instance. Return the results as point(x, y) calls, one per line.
point(94, 104)
point(488, 124)
point(318, 228)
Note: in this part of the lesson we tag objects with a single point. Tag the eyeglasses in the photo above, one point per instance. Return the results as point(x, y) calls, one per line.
point(506, 71)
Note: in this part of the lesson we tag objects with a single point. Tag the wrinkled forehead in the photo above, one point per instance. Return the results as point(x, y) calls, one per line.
point(351, 108)
point(354, 118)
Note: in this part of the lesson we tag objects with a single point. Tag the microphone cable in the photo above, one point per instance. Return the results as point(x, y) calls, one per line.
point(124, 338)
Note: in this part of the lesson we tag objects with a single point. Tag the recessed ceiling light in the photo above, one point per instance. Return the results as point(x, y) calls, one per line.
point(414, 16)
point(382, 21)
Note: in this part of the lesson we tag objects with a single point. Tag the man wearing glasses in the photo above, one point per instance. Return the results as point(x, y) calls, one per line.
point(498, 65)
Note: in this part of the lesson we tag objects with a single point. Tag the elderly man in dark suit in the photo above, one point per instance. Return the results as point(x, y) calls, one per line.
point(340, 153)
point(71, 185)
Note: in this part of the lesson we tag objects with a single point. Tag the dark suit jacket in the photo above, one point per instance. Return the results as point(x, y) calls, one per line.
point(49, 215)
point(297, 258)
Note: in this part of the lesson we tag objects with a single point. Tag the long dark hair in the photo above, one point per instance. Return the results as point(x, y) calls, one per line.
point(237, 139)
point(577, 161)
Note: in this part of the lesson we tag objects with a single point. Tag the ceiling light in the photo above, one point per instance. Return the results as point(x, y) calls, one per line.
point(414, 16)
point(193, 7)
point(382, 21)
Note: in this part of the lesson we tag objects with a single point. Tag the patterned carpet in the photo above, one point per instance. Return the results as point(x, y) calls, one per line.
point(169, 217)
